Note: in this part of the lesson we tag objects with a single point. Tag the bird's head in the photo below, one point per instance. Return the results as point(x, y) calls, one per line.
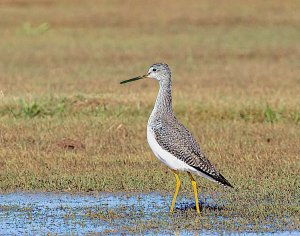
point(158, 71)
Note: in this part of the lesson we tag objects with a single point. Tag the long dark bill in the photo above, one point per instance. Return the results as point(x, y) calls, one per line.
point(134, 79)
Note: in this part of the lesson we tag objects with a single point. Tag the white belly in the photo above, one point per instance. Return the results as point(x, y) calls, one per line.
point(167, 158)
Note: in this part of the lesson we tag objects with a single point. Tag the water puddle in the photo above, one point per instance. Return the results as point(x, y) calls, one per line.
point(63, 213)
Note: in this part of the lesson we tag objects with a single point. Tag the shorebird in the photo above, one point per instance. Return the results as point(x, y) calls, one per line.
point(170, 141)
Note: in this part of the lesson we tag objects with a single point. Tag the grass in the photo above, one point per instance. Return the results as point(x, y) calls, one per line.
point(236, 86)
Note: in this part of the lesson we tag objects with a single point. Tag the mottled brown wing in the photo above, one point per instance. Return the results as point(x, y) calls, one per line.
point(173, 137)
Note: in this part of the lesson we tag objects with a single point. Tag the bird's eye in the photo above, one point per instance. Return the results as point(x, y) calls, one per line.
point(154, 69)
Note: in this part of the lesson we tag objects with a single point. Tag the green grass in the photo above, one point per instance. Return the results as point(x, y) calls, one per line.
point(28, 30)
point(97, 106)
point(236, 86)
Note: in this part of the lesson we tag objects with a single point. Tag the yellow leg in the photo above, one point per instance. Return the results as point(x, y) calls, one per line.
point(176, 190)
point(194, 184)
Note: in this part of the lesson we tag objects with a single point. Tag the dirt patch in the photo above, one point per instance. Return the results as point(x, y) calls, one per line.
point(70, 144)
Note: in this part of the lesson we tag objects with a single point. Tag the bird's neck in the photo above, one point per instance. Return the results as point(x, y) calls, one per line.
point(163, 104)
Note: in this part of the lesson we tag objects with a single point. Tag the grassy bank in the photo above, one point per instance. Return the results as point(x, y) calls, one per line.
point(67, 125)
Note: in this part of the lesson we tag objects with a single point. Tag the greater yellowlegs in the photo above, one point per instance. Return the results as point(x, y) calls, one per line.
point(170, 141)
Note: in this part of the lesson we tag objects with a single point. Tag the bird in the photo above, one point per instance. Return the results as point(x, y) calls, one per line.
point(170, 141)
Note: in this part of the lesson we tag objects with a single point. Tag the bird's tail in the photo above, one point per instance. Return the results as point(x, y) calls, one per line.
point(222, 181)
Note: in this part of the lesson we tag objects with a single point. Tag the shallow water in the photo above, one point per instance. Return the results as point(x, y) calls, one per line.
point(63, 213)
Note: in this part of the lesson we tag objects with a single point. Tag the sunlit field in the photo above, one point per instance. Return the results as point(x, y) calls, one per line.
point(67, 125)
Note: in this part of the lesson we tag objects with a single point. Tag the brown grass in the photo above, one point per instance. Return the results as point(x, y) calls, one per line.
point(236, 86)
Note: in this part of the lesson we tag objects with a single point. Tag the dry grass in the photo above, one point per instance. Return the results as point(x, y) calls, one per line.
point(236, 86)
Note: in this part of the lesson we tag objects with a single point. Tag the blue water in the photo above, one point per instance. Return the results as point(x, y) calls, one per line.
point(32, 213)
point(62, 213)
